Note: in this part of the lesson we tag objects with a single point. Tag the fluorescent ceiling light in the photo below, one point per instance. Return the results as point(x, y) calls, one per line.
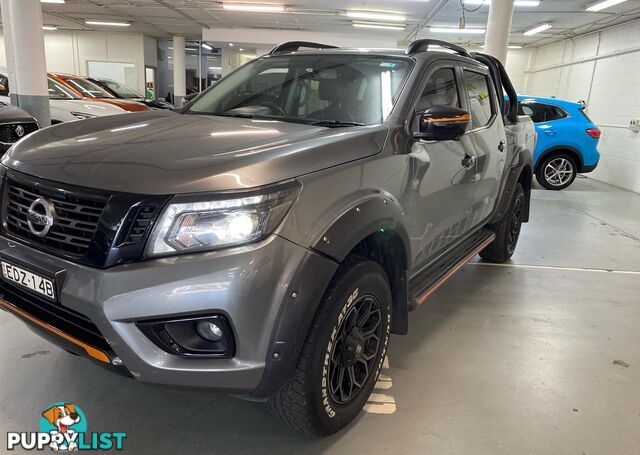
point(525, 3)
point(511, 46)
point(109, 23)
point(603, 5)
point(230, 44)
point(378, 26)
point(214, 68)
point(254, 7)
point(457, 31)
point(376, 16)
point(538, 29)
point(207, 47)
point(49, 27)
point(51, 1)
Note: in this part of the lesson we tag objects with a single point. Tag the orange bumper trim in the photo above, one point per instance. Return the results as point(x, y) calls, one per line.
point(90, 350)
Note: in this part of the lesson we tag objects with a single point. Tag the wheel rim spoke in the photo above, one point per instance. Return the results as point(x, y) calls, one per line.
point(558, 171)
point(349, 369)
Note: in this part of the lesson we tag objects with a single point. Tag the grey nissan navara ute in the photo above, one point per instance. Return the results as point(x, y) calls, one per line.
point(267, 238)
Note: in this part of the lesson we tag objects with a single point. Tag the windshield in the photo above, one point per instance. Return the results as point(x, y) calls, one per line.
point(57, 91)
point(341, 90)
point(121, 90)
point(88, 88)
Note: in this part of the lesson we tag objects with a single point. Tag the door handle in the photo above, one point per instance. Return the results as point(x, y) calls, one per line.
point(468, 161)
point(501, 146)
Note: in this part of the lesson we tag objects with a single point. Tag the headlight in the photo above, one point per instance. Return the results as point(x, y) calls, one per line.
point(201, 224)
point(82, 115)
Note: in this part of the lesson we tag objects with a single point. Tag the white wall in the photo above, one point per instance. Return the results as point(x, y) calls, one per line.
point(68, 52)
point(517, 62)
point(603, 69)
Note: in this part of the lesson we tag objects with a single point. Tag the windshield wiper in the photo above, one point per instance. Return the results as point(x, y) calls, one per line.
point(335, 123)
point(230, 114)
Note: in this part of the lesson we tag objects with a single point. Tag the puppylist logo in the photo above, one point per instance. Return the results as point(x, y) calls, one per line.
point(63, 427)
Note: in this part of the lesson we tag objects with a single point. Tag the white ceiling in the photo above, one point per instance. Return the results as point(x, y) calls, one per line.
point(188, 17)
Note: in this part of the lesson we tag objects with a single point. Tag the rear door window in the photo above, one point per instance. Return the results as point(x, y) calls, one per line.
point(540, 112)
point(480, 106)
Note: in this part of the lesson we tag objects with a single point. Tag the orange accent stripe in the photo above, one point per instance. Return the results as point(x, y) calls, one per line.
point(461, 264)
point(90, 350)
point(463, 118)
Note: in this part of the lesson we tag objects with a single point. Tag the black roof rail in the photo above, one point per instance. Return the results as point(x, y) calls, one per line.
point(422, 45)
point(292, 46)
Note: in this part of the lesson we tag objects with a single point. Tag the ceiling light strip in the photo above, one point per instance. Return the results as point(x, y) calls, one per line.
point(604, 5)
point(457, 31)
point(108, 23)
point(253, 7)
point(376, 16)
point(522, 3)
point(378, 26)
point(538, 29)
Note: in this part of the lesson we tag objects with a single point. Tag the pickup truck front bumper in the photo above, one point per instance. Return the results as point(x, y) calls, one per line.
point(267, 291)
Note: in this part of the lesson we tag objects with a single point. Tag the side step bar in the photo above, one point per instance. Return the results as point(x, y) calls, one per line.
point(425, 283)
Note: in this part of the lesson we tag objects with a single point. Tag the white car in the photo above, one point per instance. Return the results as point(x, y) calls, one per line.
point(66, 106)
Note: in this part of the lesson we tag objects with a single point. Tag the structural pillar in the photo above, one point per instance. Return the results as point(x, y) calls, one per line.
point(27, 66)
point(499, 29)
point(179, 71)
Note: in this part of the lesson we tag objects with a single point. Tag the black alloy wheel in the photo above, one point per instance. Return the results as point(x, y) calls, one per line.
point(515, 224)
point(354, 352)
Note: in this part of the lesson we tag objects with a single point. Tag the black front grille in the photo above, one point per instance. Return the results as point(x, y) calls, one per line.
point(62, 318)
point(77, 216)
point(9, 134)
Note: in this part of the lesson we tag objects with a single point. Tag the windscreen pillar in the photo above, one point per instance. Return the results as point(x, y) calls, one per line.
point(27, 66)
point(179, 71)
point(499, 29)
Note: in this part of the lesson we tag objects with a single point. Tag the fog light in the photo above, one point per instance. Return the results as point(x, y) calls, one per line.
point(209, 331)
point(209, 336)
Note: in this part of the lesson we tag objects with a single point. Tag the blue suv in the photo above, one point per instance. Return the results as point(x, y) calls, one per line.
point(567, 140)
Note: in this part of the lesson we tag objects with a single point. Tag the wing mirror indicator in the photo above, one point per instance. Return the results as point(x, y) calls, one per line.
point(443, 123)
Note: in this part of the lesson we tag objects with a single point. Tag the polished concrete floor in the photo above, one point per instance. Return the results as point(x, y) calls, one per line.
point(515, 359)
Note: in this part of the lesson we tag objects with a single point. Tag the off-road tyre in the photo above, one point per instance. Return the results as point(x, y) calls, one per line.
point(507, 230)
point(308, 401)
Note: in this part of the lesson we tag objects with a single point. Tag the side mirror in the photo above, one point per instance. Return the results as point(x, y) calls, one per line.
point(187, 99)
point(443, 123)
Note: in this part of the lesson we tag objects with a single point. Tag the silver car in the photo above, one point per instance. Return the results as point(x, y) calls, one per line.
point(266, 240)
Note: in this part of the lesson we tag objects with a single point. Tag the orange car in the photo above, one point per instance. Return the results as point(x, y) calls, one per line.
point(87, 89)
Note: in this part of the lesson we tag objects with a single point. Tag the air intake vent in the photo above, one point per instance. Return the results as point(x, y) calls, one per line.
point(141, 221)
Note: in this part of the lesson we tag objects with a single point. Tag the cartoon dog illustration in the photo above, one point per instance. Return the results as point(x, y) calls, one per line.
point(62, 417)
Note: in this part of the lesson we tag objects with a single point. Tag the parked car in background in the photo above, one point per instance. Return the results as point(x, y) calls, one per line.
point(14, 125)
point(124, 92)
point(67, 105)
point(88, 90)
point(567, 140)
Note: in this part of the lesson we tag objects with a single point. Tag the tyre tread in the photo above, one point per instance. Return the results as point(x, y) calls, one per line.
point(289, 403)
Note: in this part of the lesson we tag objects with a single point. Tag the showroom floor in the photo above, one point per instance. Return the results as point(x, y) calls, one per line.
point(515, 359)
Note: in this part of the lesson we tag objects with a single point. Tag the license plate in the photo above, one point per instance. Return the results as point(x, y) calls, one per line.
point(28, 280)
